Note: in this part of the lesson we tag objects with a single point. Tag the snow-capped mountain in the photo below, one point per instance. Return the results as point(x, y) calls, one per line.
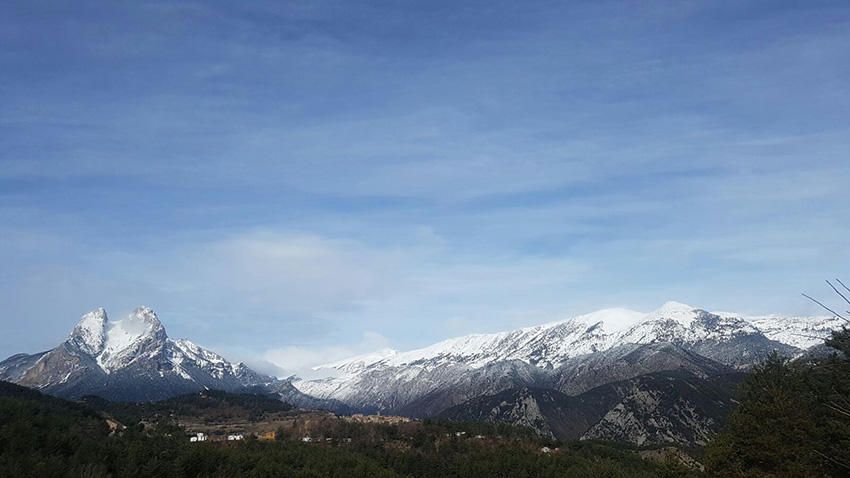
point(127, 359)
point(390, 380)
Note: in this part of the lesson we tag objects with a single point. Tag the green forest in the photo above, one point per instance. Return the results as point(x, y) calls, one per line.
point(44, 436)
point(793, 420)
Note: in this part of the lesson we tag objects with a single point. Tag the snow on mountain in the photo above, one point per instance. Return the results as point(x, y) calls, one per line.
point(731, 339)
point(213, 363)
point(542, 344)
point(358, 362)
point(115, 344)
point(89, 333)
point(615, 319)
point(125, 338)
point(131, 358)
point(800, 332)
point(675, 321)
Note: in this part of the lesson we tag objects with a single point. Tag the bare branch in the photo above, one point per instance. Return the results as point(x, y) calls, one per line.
point(834, 460)
point(842, 284)
point(837, 409)
point(838, 292)
point(827, 308)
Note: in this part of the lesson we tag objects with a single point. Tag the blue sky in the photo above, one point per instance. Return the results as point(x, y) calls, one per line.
point(295, 181)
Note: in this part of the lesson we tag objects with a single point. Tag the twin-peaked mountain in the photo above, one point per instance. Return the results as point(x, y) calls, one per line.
point(131, 359)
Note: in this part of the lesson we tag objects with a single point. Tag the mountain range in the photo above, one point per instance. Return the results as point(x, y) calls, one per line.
point(658, 377)
point(574, 354)
point(621, 370)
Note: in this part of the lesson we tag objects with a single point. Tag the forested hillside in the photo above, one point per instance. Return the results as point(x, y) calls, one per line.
point(44, 436)
point(793, 420)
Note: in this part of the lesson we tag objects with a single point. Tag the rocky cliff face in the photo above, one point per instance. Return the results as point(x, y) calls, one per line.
point(665, 407)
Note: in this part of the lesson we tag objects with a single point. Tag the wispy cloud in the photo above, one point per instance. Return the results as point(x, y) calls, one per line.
point(285, 176)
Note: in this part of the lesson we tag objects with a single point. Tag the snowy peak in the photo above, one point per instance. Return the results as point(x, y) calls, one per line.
point(613, 319)
point(89, 335)
point(186, 353)
point(682, 323)
point(143, 320)
point(126, 338)
point(95, 335)
point(677, 311)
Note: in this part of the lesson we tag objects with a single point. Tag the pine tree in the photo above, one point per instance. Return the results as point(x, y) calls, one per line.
point(769, 434)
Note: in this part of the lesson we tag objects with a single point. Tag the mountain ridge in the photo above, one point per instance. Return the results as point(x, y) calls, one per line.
point(733, 340)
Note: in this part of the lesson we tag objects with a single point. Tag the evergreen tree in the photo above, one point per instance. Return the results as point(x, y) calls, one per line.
point(794, 418)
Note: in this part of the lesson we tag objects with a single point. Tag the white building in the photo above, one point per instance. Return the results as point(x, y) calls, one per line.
point(236, 437)
point(198, 437)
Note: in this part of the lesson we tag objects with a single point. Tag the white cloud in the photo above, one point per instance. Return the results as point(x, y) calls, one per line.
point(300, 360)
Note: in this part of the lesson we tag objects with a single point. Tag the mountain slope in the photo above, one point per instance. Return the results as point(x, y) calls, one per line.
point(623, 362)
point(665, 407)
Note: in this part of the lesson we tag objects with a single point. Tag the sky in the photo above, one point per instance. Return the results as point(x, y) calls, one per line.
point(292, 182)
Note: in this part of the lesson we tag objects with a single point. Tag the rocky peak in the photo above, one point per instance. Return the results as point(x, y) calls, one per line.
point(126, 338)
point(89, 335)
point(145, 317)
